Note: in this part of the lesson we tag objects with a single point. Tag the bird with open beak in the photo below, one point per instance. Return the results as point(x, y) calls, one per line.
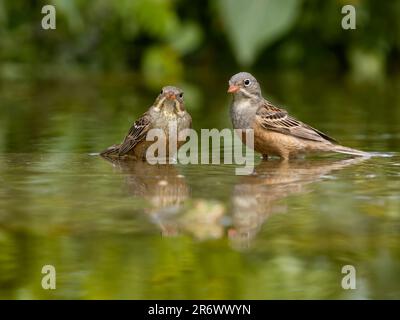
point(168, 108)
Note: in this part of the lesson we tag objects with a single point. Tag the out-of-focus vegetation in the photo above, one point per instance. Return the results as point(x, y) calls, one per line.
point(68, 92)
point(160, 39)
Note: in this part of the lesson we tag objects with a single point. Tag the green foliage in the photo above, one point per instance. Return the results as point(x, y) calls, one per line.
point(128, 35)
point(161, 64)
point(253, 25)
point(100, 35)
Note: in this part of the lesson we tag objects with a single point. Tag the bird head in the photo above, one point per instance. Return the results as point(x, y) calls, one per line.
point(243, 84)
point(170, 100)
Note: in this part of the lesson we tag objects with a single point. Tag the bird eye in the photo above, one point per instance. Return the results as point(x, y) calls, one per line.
point(247, 82)
point(162, 91)
point(181, 95)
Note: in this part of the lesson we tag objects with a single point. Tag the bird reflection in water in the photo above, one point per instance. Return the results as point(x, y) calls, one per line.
point(170, 205)
point(254, 198)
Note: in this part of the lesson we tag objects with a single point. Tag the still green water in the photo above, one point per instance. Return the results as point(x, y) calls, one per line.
point(132, 230)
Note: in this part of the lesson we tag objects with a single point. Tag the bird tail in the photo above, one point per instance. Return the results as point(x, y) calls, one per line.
point(110, 151)
point(354, 152)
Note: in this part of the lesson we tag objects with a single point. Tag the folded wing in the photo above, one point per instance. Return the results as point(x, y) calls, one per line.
point(278, 120)
point(136, 134)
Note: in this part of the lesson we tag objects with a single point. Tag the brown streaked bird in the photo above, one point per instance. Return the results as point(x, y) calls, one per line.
point(275, 131)
point(169, 108)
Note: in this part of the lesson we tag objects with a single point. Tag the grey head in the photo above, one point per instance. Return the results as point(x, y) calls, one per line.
point(246, 99)
point(170, 100)
point(244, 85)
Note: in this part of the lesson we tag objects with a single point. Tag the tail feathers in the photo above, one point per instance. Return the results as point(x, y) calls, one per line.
point(111, 151)
point(354, 152)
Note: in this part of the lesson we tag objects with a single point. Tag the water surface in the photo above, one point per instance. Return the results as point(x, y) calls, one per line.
point(131, 230)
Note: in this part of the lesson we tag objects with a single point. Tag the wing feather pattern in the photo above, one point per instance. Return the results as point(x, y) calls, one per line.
point(278, 120)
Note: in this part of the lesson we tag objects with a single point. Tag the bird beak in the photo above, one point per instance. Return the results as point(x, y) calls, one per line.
point(232, 88)
point(171, 96)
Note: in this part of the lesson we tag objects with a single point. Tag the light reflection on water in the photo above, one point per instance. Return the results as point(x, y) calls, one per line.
point(300, 220)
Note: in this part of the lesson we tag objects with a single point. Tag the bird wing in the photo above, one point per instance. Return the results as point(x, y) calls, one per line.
point(278, 120)
point(136, 134)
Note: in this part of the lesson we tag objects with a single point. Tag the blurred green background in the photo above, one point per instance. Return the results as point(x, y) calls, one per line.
point(166, 40)
point(285, 232)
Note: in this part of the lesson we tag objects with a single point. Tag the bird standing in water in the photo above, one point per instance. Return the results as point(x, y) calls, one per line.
point(275, 131)
point(168, 109)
